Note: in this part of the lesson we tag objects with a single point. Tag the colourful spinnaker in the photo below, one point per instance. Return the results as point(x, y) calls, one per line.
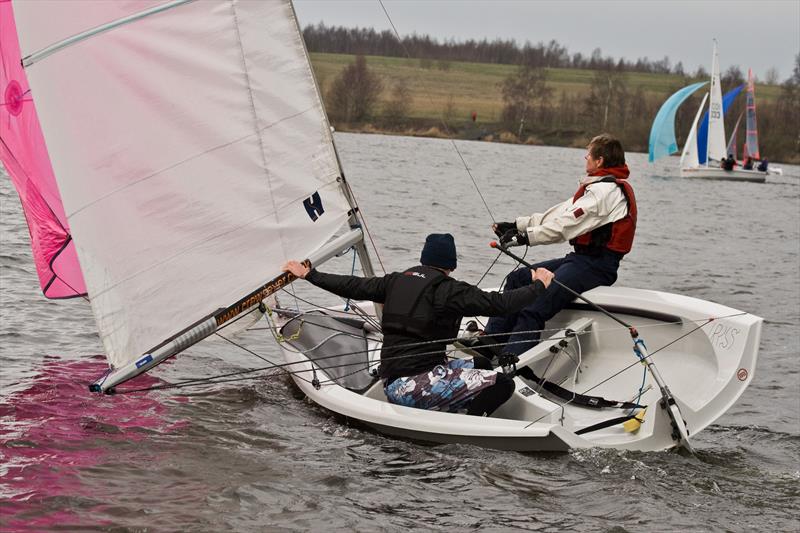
point(24, 154)
point(662, 133)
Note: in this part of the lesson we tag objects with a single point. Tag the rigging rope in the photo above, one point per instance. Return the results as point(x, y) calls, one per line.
point(441, 118)
point(360, 215)
point(365, 366)
point(612, 376)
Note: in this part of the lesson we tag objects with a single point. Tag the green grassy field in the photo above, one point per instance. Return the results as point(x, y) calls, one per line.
point(476, 86)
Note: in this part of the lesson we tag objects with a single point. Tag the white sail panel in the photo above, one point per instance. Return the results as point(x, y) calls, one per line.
point(57, 20)
point(184, 144)
point(716, 116)
point(689, 157)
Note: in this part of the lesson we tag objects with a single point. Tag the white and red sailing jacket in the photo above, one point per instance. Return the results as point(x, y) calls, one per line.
point(595, 204)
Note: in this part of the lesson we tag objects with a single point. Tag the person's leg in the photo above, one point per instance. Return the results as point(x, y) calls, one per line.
point(480, 391)
point(578, 272)
point(482, 363)
point(489, 399)
point(452, 387)
point(498, 326)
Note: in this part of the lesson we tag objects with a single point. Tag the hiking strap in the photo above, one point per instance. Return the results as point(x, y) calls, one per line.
point(608, 423)
point(592, 402)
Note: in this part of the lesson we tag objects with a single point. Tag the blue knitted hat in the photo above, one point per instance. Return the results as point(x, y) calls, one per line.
point(439, 251)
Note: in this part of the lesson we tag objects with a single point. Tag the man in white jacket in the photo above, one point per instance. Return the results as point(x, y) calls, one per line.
point(599, 221)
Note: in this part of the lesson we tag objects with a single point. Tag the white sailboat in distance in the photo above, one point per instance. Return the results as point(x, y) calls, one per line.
point(701, 159)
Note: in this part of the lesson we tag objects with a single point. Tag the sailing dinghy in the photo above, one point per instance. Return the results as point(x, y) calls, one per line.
point(706, 363)
point(705, 145)
point(170, 156)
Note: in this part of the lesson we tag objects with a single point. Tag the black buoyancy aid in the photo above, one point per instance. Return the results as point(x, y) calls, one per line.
point(616, 236)
point(409, 308)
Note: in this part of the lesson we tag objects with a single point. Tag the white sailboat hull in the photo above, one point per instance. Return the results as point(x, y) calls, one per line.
point(736, 174)
point(706, 371)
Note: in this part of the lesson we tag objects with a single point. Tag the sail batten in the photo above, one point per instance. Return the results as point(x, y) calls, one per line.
point(53, 48)
point(192, 153)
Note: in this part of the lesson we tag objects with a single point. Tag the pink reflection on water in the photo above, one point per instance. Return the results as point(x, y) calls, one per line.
point(55, 429)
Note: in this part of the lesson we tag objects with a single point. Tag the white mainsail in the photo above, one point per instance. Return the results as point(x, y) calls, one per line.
point(191, 150)
point(689, 157)
point(716, 124)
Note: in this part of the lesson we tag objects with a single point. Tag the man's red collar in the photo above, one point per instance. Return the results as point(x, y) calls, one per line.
point(618, 172)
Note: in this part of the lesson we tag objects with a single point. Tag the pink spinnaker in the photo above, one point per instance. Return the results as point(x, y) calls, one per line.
point(24, 155)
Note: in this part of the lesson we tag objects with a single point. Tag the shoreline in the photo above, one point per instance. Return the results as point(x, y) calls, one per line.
point(486, 135)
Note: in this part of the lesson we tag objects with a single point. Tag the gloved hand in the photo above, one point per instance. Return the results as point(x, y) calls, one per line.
point(514, 238)
point(501, 228)
point(508, 361)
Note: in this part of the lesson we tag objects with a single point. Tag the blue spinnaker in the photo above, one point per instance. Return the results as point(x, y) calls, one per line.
point(662, 133)
point(702, 130)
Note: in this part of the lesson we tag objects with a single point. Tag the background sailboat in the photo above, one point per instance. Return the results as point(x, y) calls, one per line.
point(750, 148)
point(707, 134)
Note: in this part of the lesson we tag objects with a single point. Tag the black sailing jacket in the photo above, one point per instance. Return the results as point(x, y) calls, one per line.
point(450, 300)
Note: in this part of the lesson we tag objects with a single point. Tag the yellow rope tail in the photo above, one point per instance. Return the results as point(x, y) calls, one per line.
point(274, 329)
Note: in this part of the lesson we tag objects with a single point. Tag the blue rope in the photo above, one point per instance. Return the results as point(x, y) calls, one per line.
point(638, 353)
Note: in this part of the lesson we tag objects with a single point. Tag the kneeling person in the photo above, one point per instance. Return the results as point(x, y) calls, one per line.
point(423, 309)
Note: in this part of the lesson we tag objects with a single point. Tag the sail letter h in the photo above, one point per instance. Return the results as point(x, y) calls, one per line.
point(313, 206)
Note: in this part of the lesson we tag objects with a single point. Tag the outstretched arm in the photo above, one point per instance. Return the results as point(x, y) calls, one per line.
point(373, 289)
point(468, 300)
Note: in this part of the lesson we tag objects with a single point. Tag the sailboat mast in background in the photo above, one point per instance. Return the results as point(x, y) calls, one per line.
point(716, 121)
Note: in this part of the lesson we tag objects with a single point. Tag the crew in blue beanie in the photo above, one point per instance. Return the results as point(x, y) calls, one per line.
point(439, 251)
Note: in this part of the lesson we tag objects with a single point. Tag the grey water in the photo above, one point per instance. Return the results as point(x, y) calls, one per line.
point(255, 455)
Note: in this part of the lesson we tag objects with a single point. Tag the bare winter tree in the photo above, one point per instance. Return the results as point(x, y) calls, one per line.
point(732, 77)
point(395, 110)
point(521, 92)
point(354, 93)
point(701, 73)
point(789, 110)
point(449, 111)
point(772, 76)
point(606, 106)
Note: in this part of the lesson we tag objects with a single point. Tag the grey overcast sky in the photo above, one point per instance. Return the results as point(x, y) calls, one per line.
point(756, 34)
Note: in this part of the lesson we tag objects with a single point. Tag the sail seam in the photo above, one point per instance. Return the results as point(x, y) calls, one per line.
point(69, 41)
point(186, 160)
point(255, 120)
point(190, 248)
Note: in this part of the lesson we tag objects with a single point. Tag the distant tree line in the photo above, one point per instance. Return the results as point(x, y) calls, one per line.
point(534, 113)
point(368, 41)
